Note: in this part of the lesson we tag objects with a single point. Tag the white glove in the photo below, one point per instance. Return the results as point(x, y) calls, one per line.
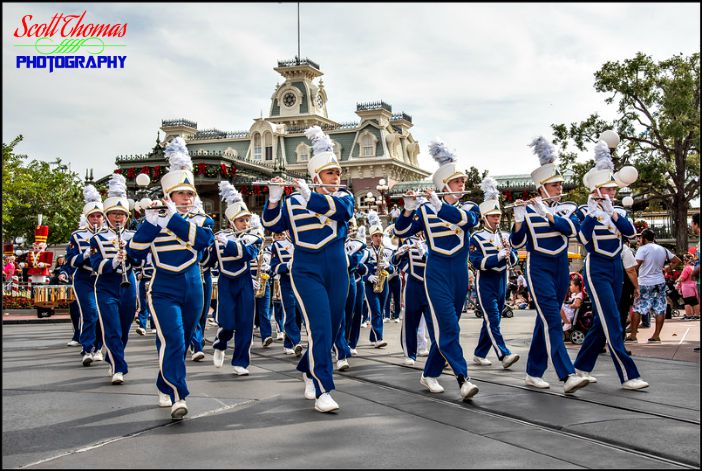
point(117, 260)
point(540, 207)
point(265, 267)
point(592, 206)
point(222, 239)
point(435, 202)
point(86, 253)
point(275, 193)
point(373, 279)
point(151, 217)
point(303, 188)
point(63, 277)
point(164, 220)
point(520, 213)
point(410, 203)
point(502, 254)
point(255, 284)
point(607, 205)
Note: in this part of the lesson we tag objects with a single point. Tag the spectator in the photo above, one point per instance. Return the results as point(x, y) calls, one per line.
point(8, 269)
point(696, 268)
point(573, 303)
point(394, 213)
point(651, 259)
point(687, 287)
point(630, 291)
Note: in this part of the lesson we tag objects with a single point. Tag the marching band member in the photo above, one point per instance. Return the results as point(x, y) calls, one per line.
point(260, 276)
point(143, 272)
point(492, 257)
point(359, 304)
point(115, 285)
point(602, 228)
point(446, 225)
point(318, 274)
point(281, 259)
point(412, 256)
point(233, 251)
point(197, 343)
point(78, 255)
point(545, 233)
point(176, 238)
point(394, 281)
point(378, 269)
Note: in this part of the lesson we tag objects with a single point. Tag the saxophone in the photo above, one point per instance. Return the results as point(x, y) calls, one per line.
point(275, 294)
point(380, 272)
point(261, 276)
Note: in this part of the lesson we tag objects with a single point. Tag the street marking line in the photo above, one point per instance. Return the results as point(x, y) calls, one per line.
point(683, 337)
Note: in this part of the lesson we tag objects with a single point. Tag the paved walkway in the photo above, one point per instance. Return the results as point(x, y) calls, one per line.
point(58, 414)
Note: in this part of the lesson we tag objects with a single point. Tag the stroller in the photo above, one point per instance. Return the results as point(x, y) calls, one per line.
point(475, 305)
point(581, 323)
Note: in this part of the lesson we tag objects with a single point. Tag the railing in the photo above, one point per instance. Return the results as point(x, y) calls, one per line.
point(295, 62)
point(374, 105)
point(402, 115)
point(217, 134)
point(178, 122)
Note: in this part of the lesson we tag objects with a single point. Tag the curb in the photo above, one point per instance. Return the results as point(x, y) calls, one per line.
point(35, 321)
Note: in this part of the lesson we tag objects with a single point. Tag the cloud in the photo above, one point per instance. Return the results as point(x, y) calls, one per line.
point(487, 78)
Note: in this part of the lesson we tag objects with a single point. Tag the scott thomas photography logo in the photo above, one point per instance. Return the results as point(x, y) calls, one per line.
point(69, 41)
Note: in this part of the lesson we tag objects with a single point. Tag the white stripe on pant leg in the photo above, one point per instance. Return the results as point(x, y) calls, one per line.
point(404, 325)
point(159, 332)
point(435, 321)
point(310, 344)
point(110, 356)
point(80, 311)
point(600, 314)
point(486, 318)
point(370, 316)
point(538, 310)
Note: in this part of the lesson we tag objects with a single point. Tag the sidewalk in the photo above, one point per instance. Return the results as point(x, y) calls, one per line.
point(29, 316)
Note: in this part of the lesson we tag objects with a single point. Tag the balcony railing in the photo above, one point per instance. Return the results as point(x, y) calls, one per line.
point(373, 105)
point(295, 62)
point(178, 122)
point(402, 115)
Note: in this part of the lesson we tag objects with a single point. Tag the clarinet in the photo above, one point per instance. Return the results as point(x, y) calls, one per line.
point(508, 258)
point(125, 278)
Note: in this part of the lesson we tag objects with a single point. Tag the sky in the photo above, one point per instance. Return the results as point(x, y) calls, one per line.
point(485, 78)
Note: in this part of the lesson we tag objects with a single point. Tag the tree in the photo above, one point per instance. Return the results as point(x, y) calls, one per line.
point(658, 106)
point(475, 176)
point(38, 187)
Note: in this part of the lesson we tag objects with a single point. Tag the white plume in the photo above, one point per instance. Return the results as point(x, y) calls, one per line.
point(373, 218)
point(361, 233)
point(321, 142)
point(83, 221)
point(440, 152)
point(603, 159)
point(117, 186)
point(90, 194)
point(256, 222)
point(228, 193)
point(198, 203)
point(544, 150)
point(177, 155)
point(489, 187)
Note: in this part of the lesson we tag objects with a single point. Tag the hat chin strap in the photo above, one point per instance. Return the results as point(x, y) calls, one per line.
point(543, 187)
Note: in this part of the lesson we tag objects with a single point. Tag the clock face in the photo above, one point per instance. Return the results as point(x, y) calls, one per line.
point(289, 99)
point(319, 102)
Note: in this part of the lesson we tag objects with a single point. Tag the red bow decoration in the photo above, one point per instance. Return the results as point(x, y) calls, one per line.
point(201, 168)
point(244, 190)
point(508, 195)
point(145, 169)
point(131, 173)
point(257, 190)
point(223, 168)
point(232, 170)
point(119, 170)
point(525, 195)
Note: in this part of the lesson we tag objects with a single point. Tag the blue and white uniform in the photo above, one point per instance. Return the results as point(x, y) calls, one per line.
point(355, 252)
point(84, 288)
point(375, 302)
point(235, 295)
point(604, 279)
point(263, 304)
point(197, 343)
point(547, 278)
point(491, 284)
point(318, 274)
point(394, 292)
point(116, 304)
point(175, 294)
point(411, 257)
point(143, 272)
point(445, 278)
point(281, 259)
point(360, 307)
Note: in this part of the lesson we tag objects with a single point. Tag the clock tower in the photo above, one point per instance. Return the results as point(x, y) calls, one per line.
point(298, 101)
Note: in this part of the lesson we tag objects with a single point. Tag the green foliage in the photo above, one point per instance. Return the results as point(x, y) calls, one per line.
point(475, 176)
point(38, 187)
point(658, 106)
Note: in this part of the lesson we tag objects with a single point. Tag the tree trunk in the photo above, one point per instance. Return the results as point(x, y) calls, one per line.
point(680, 222)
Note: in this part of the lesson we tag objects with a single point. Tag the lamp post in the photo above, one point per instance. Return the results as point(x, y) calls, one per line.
point(370, 200)
point(382, 188)
point(612, 140)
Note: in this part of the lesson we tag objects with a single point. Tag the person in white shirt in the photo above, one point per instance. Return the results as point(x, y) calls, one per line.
point(651, 259)
point(630, 292)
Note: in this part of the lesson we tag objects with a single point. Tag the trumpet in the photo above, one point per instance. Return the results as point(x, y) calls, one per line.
point(524, 203)
point(289, 183)
point(125, 278)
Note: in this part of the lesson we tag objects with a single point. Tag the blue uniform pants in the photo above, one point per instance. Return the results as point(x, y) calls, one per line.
point(349, 307)
point(143, 305)
point(394, 290)
point(291, 318)
point(320, 282)
point(175, 303)
point(278, 316)
point(90, 333)
point(198, 341)
point(604, 281)
point(263, 312)
point(358, 306)
point(74, 311)
point(341, 341)
point(116, 307)
point(235, 311)
point(375, 303)
point(416, 306)
point(491, 288)
point(548, 284)
point(445, 285)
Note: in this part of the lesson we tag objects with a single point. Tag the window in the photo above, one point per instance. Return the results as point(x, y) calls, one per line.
point(257, 146)
point(303, 152)
point(367, 145)
point(268, 142)
point(337, 150)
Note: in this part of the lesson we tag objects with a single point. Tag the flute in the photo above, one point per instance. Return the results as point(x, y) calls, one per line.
point(163, 206)
point(524, 203)
point(311, 185)
point(438, 193)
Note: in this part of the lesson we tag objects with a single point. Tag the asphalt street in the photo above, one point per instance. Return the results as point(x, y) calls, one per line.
point(59, 414)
